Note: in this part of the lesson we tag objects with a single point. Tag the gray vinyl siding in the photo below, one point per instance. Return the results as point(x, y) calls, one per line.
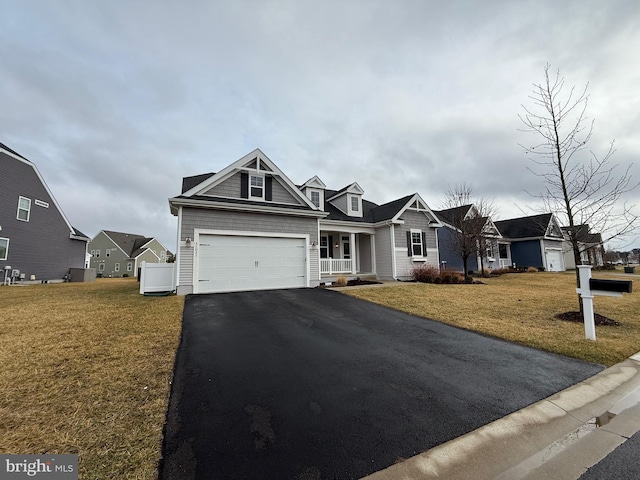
point(230, 188)
point(281, 195)
point(193, 218)
point(103, 243)
point(384, 262)
point(42, 246)
point(364, 253)
point(416, 221)
point(340, 202)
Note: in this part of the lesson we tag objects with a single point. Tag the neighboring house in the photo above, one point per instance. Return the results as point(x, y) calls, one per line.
point(116, 254)
point(536, 241)
point(36, 238)
point(590, 245)
point(249, 227)
point(456, 237)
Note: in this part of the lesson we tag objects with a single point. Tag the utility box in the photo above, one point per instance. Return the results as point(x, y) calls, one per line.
point(82, 274)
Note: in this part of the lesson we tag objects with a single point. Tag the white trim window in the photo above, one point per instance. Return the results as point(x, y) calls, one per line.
point(24, 209)
point(117, 267)
point(129, 267)
point(97, 253)
point(416, 244)
point(315, 197)
point(101, 267)
point(4, 248)
point(355, 203)
point(256, 186)
point(107, 252)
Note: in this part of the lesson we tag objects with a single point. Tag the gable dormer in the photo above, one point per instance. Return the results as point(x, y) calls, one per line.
point(349, 200)
point(314, 190)
point(554, 230)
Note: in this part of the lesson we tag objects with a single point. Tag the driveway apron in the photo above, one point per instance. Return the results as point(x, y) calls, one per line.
point(311, 384)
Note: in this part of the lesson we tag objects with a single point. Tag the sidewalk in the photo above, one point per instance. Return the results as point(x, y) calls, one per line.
point(557, 438)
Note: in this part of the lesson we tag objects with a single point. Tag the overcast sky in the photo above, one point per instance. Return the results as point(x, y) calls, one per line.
point(116, 101)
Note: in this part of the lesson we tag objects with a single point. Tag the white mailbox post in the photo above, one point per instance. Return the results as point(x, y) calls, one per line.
point(589, 288)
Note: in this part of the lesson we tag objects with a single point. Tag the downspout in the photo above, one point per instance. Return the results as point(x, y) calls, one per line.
point(393, 251)
point(178, 253)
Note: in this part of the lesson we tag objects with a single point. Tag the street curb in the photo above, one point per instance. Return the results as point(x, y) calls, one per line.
point(511, 447)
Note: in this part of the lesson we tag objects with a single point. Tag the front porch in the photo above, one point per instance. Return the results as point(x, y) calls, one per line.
point(346, 253)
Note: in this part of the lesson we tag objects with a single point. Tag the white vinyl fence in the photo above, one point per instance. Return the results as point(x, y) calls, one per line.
point(157, 278)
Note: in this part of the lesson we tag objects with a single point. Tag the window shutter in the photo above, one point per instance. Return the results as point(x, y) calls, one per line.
point(330, 246)
point(424, 243)
point(268, 188)
point(244, 185)
point(409, 249)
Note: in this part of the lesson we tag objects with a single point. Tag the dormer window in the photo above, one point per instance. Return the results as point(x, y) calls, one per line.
point(256, 186)
point(315, 197)
point(355, 204)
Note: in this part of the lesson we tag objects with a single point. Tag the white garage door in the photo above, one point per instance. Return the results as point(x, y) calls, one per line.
point(554, 260)
point(227, 263)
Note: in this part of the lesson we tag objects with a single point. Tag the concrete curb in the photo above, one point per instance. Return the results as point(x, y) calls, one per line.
point(584, 423)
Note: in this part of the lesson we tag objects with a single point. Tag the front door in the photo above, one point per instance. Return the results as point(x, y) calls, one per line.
point(346, 248)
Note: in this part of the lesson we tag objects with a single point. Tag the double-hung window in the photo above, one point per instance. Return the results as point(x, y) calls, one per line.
point(315, 198)
point(4, 248)
point(416, 243)
point(117, 267)
point(355, 203)
point(256, 186)
point(24, 209)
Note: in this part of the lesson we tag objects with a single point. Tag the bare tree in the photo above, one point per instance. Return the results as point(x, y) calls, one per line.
point(468, 219)
point(581, 188)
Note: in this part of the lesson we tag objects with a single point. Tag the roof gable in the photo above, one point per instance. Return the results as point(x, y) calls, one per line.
point(533, 226)
point(73, 233)
point(254, 162)
point(314, 182)
point(354, 188)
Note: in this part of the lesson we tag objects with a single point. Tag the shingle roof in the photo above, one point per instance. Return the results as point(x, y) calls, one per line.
point(189, 182)
point(4, 147)
point(524, 227)
point(129, 242)
point(583, 234)
point(453, 215)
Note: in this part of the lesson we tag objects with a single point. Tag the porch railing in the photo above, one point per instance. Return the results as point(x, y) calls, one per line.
point(505, 263)
point(335, 265)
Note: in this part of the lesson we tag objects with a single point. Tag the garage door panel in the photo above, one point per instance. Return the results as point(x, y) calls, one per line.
point(233, 263)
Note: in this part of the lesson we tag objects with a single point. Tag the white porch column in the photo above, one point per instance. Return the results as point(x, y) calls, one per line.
point(352, 241)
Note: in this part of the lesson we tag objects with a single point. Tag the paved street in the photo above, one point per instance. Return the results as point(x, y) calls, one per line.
point(313, 384)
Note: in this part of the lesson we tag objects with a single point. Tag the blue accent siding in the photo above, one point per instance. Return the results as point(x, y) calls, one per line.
point(446, 246)
point(526, 253)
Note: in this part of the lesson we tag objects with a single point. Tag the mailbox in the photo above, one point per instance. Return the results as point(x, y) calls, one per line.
point(620, 286)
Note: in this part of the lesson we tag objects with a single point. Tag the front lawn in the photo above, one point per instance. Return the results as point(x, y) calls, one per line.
point(86, 369)
point(521, 308)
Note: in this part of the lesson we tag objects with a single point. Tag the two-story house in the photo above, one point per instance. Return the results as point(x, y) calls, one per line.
point(36, 239)
point(117, 254)
point(249, 227)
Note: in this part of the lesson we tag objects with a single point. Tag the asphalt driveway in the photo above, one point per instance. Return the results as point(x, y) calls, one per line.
point(311, 384)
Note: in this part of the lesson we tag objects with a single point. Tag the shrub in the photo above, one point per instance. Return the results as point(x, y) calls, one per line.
point(437, 280)
point(341, 281)
point(541, 269)
point(446, 278)
point(455, 279)
point(424, 273)
point(532, 269)
point(468, 279)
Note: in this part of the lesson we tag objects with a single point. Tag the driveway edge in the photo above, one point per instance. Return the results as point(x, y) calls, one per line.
point(586, 421)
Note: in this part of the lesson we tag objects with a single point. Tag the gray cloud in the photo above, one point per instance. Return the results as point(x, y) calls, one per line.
point(116, 102)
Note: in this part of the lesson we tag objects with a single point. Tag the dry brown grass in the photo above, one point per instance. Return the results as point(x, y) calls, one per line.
point(86, 369)
point(521, 308)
